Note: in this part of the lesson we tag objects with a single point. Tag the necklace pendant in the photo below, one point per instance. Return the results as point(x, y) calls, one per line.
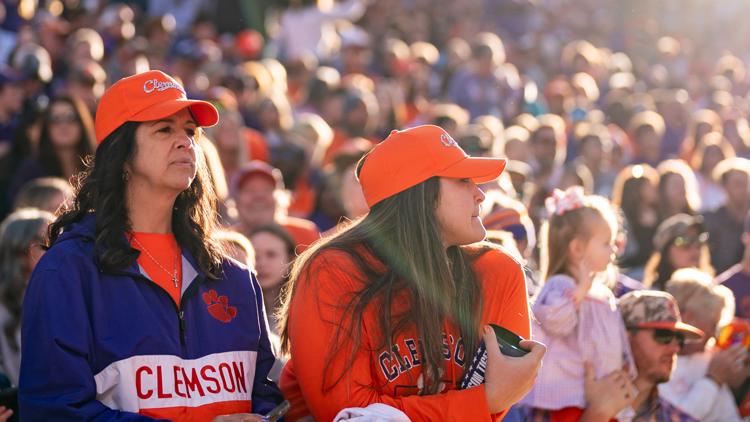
point(174, 279)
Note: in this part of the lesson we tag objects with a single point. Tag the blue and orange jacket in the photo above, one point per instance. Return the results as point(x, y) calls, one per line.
point(115, 346)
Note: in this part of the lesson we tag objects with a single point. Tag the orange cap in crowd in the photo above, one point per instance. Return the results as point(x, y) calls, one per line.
point(150, 95)
point(409, 157)
point(259, 168)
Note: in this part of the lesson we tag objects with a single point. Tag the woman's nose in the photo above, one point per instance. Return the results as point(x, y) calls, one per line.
point(185, 141)
point(479, 195)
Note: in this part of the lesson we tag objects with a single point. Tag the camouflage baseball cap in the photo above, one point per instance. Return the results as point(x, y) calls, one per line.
point(654, 309)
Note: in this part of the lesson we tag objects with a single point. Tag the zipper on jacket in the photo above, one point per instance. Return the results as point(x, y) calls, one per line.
point(181, 315)
point(178, 309)
point(192, 288)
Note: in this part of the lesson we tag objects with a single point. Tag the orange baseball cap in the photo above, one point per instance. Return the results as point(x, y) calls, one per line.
point(409, 157)
point(150, 95)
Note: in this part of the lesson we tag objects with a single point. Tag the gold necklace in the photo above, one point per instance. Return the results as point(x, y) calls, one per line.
point(173, 274)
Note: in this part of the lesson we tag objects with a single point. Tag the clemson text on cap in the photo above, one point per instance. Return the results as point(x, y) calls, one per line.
point(152, 85)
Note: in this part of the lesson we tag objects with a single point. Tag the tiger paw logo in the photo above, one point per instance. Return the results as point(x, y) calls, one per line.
point(218, 306)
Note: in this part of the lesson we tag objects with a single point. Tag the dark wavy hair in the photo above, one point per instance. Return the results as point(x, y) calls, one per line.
point(403, 233)
point(19, 232)
point(48, 156)
point(101, 189)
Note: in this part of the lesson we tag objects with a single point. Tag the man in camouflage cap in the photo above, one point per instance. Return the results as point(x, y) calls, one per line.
point(656, 333)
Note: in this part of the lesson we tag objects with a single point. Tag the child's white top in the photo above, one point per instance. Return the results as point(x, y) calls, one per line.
point(591, 331)
point(690, 390)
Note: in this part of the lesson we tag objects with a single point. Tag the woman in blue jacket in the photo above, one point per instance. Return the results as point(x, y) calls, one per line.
point(132, 313)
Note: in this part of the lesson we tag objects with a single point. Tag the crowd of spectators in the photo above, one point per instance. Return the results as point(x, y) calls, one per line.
point(644, 103)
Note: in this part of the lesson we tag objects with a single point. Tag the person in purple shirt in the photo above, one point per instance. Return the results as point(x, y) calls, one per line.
point(480, 86)
point(737, 278)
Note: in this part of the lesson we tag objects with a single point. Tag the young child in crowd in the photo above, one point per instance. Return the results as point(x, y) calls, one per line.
point(575, 313)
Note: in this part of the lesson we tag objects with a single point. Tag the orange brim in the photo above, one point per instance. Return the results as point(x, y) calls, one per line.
point(697, 333)
point(478, 169)
point(203, 112)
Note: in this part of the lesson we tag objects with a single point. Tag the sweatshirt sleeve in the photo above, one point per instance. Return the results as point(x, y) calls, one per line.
point(555, 308)
point(56, 381)
point(349, 10)
point(697, 402)
point(266, 394)
point(315, 315)
point(505, 299)
point(698, 398)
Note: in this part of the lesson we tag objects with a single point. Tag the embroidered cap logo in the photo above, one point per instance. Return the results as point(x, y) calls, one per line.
point(152, 85)
point(447, 141)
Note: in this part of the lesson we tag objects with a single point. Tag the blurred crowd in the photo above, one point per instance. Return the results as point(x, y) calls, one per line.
point(644, 103)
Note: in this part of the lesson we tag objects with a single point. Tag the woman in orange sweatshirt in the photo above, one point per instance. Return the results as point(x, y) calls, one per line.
point(392, 308)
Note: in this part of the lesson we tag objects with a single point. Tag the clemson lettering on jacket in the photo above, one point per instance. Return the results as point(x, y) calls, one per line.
point(167, 381)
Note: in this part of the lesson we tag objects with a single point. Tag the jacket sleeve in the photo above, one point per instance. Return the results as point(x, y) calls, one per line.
point(266, 394)
point(315, 315)
point(57, 382)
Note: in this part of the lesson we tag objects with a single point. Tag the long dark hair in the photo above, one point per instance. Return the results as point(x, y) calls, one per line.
point(48, 157)
point(402, 232)
point(626, 190)
point(659, 268)
point(19, 232)
point(101, 188)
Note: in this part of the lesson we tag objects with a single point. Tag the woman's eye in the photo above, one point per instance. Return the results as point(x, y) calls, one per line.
point(165, 129)
point(190, 132)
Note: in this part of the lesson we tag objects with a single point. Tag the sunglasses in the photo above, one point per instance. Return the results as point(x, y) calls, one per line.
point(665, 337)
point(688, 241)
point(62, 118)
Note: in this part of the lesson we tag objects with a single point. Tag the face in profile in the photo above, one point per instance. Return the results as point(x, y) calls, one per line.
point(457, 212)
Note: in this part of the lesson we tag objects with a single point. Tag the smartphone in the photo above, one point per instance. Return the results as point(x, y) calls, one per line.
point(277, 412)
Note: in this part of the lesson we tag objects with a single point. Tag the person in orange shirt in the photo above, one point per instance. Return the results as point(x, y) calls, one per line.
point(392, 308)
point(258, 189)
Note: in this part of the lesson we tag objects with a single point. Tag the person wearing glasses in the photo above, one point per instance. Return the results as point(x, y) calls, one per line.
point(704, 371)
point(66, 140)
point(656, 334)
point(680, 242)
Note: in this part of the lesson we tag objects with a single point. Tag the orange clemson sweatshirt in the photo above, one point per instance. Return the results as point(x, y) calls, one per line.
point(375, 375)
